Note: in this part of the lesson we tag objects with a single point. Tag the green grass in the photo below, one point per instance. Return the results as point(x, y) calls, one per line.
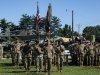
point(7, 69)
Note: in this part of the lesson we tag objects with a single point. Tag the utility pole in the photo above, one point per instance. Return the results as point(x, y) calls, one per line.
point(72, 23)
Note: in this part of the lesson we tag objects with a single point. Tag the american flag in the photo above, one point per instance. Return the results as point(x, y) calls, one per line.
point(37, 19)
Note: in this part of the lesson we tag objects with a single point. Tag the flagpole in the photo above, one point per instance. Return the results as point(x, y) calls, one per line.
point(48, 21)
point(37, 23)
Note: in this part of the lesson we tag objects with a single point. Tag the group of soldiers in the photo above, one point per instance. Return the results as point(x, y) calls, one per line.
point(44, 55)
point(85, 53)
point(40, 54)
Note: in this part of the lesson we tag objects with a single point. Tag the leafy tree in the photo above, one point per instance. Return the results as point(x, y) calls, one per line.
point(4, 23)
point(42, 23)
point(60, 32)
point(92, 30)
point(67, 31)
point(27, 21)
point(12, 26)
point(88, 31)
point(55, 23)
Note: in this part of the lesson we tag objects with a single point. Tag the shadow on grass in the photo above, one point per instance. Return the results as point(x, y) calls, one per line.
point(6, 64)
point(22, 72)
point(97, 67)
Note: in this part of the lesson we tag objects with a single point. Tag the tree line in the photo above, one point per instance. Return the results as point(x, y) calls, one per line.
point(92, 30)
point(29, 21)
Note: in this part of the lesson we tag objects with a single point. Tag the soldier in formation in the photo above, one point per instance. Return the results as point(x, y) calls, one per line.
point(45, 54)
point(27, 56)
point(12, 53)
point(48, 52)
point(85, 53)
point(81, 53)
point(16, 51)
point(60, 56)
point(39, 56)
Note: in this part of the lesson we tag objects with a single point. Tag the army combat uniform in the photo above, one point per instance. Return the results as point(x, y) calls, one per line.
point(39, 57)
point(90, 58)
point(27, 55)
point(48, 57)
point(60, 57)
point(12, 54)
point(17, 53)
point(81, 54)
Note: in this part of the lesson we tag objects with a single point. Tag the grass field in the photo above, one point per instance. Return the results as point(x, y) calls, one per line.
point(7, 69)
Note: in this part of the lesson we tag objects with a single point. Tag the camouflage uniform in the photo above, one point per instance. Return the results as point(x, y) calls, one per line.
point(12, 54)
point(74, 53)
point(27, 55)
point(22, 54)
point(81, 54)
point(33, 54)
point(54, 56)
point(39, 57)
point(48, 57)
point(17, 46)
point(60, 56)
point(90, 58)
point(99, 55)
point(1, 51)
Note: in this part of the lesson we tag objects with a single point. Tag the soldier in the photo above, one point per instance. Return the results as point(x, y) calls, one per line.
point(74, 53)
point(91, 51)
point(12, 53)
point(27, 55)
point(99, 55)
point(22, 46)
point(49, 55)
point(17, 46)
point(33, 53)
point(96, 54)
point(81, 53)
point(1, 51)
point(39, 56)
point(54, 56)
point(60, 56)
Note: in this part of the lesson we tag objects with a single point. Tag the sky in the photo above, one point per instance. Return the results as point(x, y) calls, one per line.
point(86, 12)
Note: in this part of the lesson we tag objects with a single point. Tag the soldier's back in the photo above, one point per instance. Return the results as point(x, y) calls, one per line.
point(49, 50)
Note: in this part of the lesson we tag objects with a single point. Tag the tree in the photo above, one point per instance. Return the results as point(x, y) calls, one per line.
point(60, 32)
point(55, 23)
point(27, 21)
point(12, 26)
point(92, 30)
point(67, 31)
point(3, 23)
point(42, 23)
point(88, 31)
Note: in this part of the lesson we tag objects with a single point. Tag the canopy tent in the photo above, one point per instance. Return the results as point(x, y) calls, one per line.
point(55, 38)
point(63, 39)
